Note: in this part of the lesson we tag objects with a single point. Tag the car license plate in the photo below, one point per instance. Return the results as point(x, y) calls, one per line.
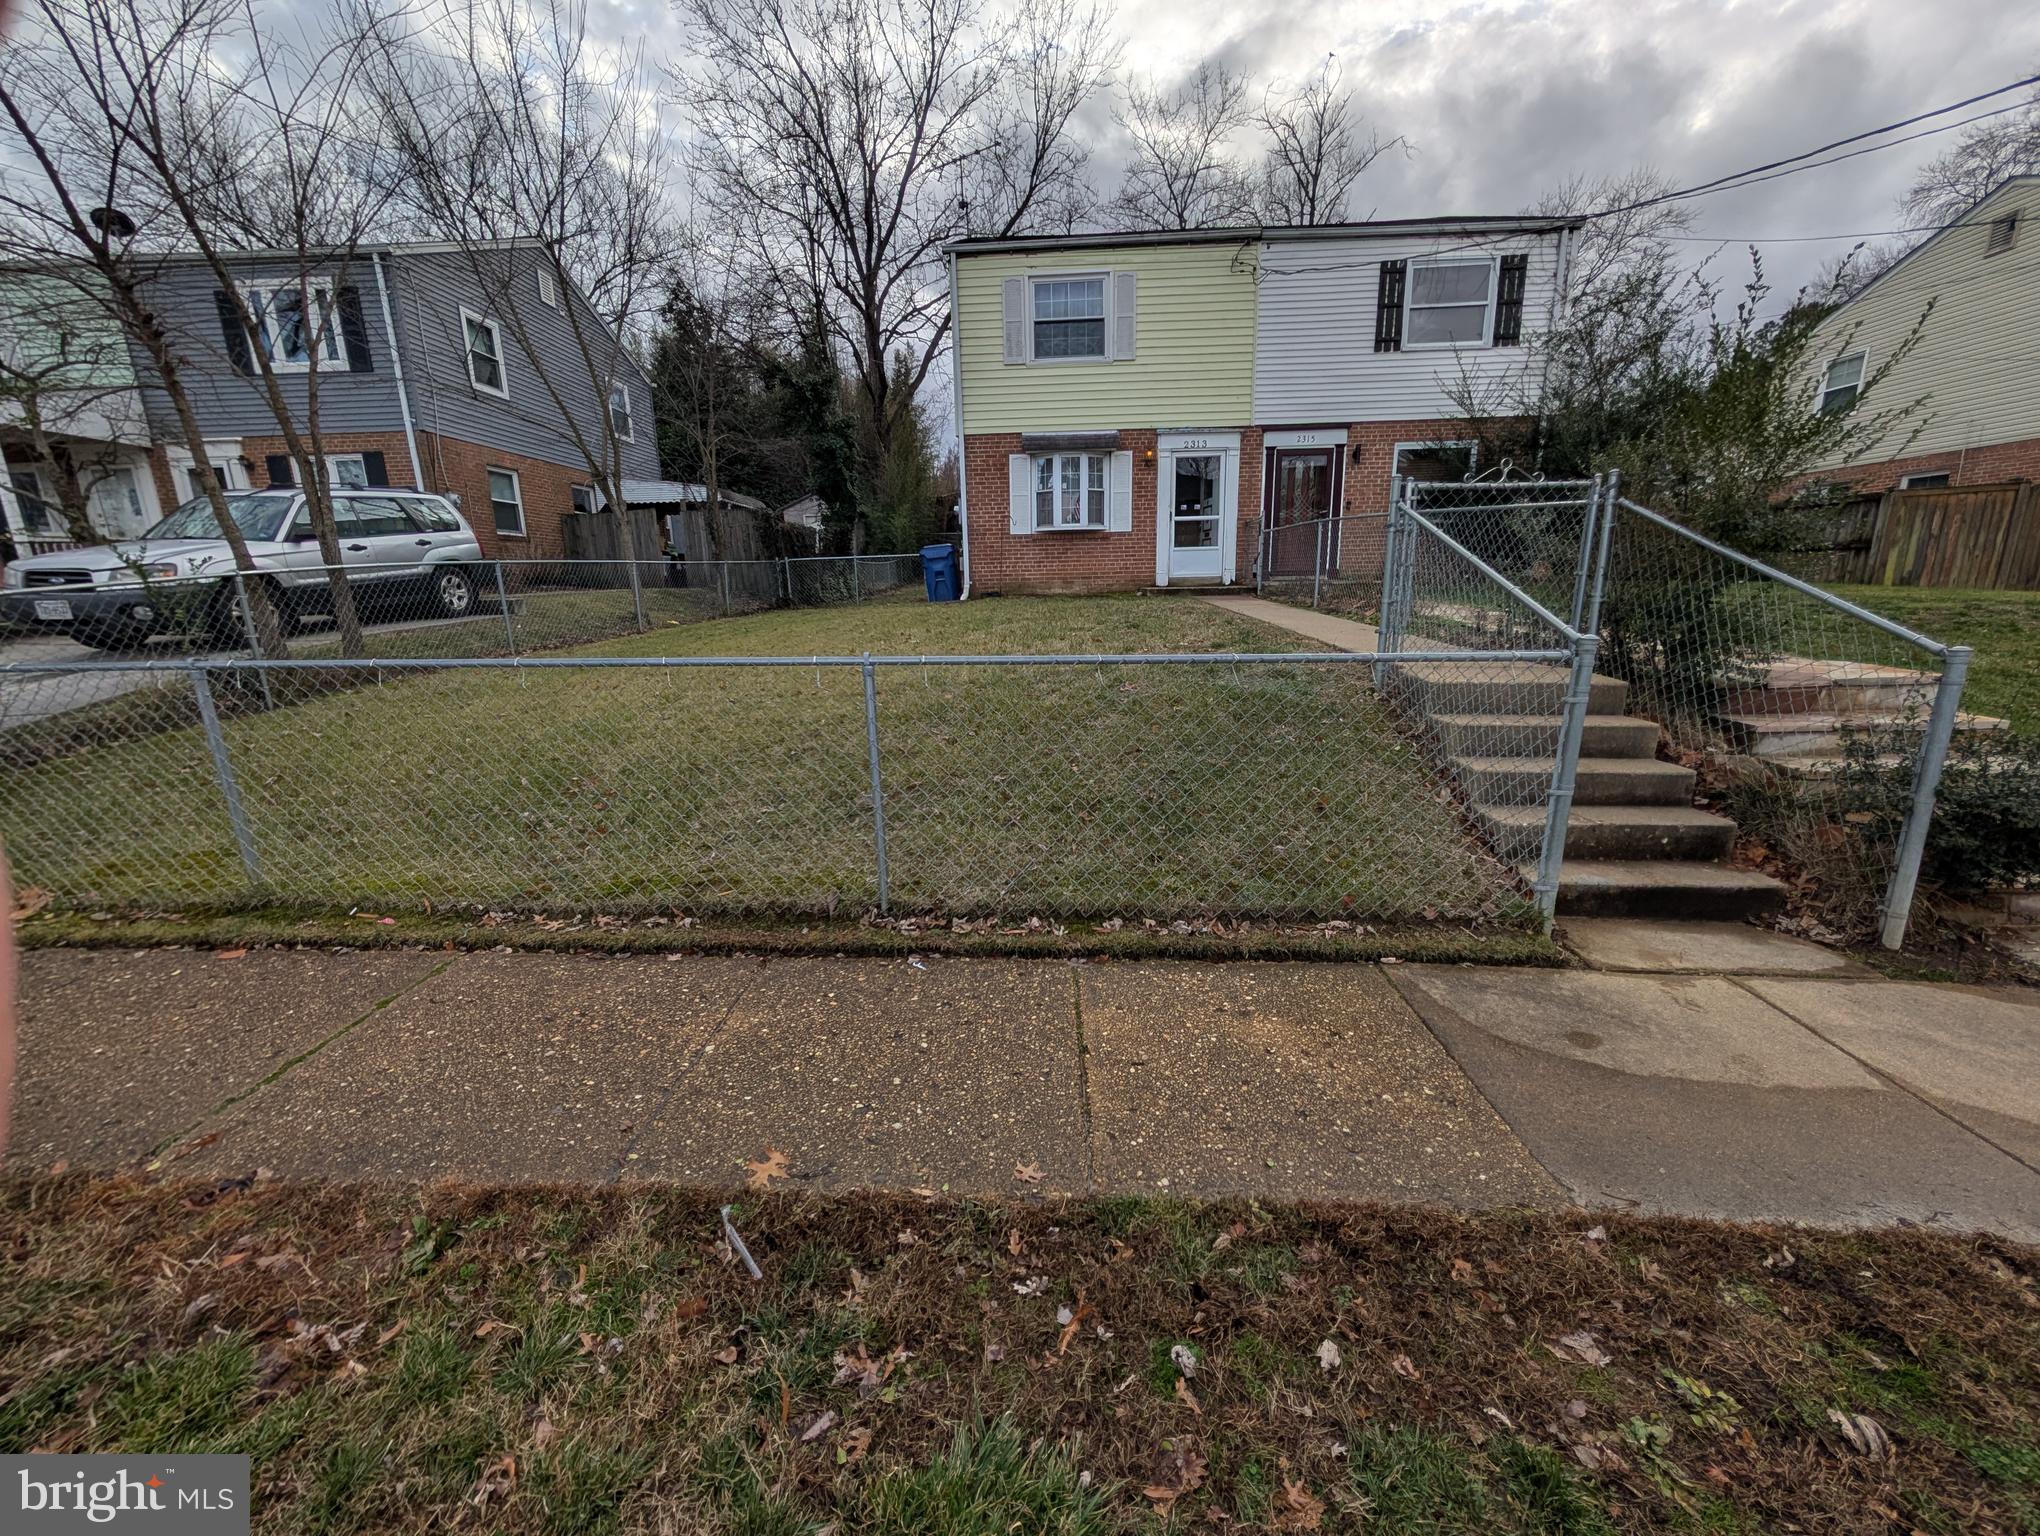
point(52, 608)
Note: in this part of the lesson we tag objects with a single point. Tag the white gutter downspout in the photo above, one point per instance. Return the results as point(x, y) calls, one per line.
point(956, 391)
point(397, 371)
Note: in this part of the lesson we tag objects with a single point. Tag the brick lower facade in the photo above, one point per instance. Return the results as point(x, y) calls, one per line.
point(1988, 464)
point(1093, 561)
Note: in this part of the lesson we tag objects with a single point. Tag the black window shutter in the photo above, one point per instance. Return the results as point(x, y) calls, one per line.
point(354, 331)
point(373, 469)
point(1388, 308)
point(1509, 300)
point(231, 334)
point(280, 470)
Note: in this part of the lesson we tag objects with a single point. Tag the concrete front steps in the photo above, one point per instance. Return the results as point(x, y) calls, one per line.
point(1799, 708)
point(1635, 843)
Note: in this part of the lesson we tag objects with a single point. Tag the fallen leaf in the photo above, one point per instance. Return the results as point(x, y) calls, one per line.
point(1462, 1272)
point(1027, 1173)
point(1181, 1471)
point(1188, 1398)
point(230, 954)
point(543, 1434)
point(1328, 1356)
point(1183, 1358)
point(819, 1426)
point(763, 1170)
point(689, 1308)
point(1583, 1347)
point(1070, 1327)
point(1013, 1243)
point(1406, 1368)
point(854, 1444)
point(1865, 1435)
point(29, 900)
point(727, 1356)
point(1301, 1511)
point(392, 1331)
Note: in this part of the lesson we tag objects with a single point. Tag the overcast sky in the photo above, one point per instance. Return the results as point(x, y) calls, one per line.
point(1504, 99)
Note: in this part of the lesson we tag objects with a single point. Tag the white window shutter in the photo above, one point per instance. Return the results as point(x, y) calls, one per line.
point(1016, 319)
point(1019, 494)
point(1125, 302)
point(1119, 494)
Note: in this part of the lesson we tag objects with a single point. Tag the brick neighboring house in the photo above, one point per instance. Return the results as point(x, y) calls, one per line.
point(422, 384)
point(1977, 360)
point(1132, 407)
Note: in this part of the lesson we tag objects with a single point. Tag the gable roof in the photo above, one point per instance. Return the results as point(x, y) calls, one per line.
point(1467, 224)
point(1964, 221)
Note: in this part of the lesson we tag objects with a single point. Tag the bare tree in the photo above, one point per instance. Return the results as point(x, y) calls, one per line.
point(1182, 172)
point(1983, 155)
point(86, 195)
point(847, 140)
point(526, 147)
point(276, 156)
point(1318, 150)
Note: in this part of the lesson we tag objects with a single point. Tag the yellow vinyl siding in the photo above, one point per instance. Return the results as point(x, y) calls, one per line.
point(1193, 363)
point(1977, 361)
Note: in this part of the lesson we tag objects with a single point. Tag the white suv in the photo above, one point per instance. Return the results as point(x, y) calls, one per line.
point(398, 547)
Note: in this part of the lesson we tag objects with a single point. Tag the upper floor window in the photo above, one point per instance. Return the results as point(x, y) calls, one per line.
point(1068, 316)
point(619, 410)
point(2004, 233)
point(1843, 382)
point(288, 334)
point(484, 354)
point(1448, 303)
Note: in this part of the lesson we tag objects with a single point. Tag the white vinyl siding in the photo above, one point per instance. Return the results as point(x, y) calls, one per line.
point(1314, 357)
point(1974, 361)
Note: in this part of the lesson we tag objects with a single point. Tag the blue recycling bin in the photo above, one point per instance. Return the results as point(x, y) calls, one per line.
point(938, 569)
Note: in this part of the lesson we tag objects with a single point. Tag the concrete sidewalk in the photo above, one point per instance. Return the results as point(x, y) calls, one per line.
point(1329, 631)
point(1775, 1096)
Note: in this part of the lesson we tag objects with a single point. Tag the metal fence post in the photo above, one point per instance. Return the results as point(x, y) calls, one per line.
point(223, 769)
point(254, 639)
point(1919, 816)
point(637, 595)
point(1611, 501)
point(1261, 557)
point(1586, 557)
point(725, 587)
point(877, 787)
point(856, 582)
point(1384, 633)
point(1564, 774)
point(503, 602)
point(786, 566)
point(1317, 566)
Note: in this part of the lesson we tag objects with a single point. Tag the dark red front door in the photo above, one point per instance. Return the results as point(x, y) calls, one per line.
point(1303, 489)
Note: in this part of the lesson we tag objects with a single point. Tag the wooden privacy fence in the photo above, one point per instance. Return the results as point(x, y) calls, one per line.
point(1949, 536)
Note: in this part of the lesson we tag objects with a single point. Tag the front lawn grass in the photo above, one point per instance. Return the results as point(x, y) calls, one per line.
point(1275, 792)
point(573, 1360)
point(2003, 627)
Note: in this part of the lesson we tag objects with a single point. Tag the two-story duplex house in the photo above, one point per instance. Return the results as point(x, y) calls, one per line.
point(1133, 408)
point(439, 370)
point(1976, 363)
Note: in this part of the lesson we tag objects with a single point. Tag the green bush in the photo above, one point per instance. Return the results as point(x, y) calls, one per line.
point(1986, 828)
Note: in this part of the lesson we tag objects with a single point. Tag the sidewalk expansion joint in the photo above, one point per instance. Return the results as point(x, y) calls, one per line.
point(1084, 1078)
point(1879, 1073)
point(286, 1067)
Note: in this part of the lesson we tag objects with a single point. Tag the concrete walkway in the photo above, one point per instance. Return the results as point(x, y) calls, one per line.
point(1328, 630)
point(1774, 1096)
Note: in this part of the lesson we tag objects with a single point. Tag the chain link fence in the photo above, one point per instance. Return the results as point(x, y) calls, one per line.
point(1332, 564)
point(464, 609)
point(1820, 727)
point(1061, 787)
